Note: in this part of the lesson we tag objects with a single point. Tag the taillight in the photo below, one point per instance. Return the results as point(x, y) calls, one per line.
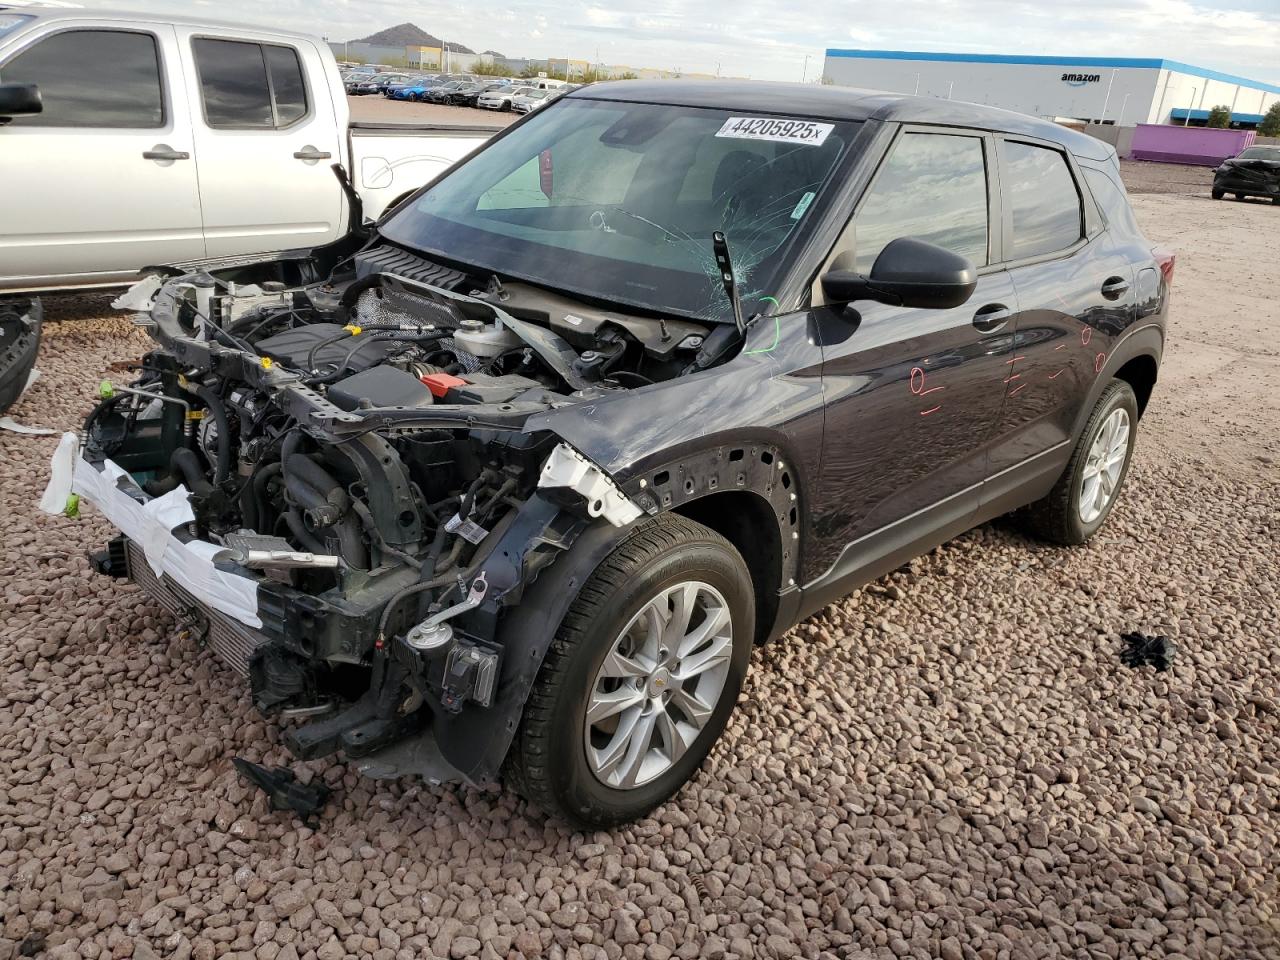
point(1165, 258)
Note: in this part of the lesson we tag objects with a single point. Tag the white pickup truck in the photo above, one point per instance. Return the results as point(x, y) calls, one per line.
point(128, 140)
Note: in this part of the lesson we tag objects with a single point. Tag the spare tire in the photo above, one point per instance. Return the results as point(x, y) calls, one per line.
point(20, 322)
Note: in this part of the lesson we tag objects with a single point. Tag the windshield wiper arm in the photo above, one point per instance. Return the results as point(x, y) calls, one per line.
point(720, 247)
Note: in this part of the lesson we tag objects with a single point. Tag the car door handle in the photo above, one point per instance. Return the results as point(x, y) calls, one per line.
point(162, 151)
point(311, 153)
point(992, 316)
point(1115, 287)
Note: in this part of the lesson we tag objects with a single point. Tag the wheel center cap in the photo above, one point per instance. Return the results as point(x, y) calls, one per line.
point(659, 682)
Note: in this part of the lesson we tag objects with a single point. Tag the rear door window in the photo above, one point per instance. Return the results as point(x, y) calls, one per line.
point(932, 187)
point(1044, 202)
point(249, 86)
point(92, 78)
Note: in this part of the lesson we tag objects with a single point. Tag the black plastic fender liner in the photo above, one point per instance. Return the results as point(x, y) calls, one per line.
point(476, 741)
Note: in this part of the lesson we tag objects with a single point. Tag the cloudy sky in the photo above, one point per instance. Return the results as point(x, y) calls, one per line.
point(768, 39)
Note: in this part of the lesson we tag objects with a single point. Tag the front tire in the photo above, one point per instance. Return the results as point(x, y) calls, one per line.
point(641, 677)
point(1089, 487)
point(1217, 194)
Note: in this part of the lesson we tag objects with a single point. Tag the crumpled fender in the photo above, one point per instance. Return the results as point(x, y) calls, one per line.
point(476, 741)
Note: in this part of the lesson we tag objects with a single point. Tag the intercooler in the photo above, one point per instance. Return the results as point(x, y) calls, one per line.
point(233, 642)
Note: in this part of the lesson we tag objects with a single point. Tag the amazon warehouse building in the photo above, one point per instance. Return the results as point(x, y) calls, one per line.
point(1117, 90)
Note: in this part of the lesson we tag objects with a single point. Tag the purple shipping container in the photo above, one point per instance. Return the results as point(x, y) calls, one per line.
point(1198, 145)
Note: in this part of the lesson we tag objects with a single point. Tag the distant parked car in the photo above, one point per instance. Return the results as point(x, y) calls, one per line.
point(415, 91)
point(1254, 173)
point(502, 98)
point(441, 93)
point(469, 95)
point(532, 100)
point(390, 89)
point(376, 83)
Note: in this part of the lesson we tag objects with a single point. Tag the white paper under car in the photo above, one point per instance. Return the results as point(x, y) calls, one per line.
point(150, 522)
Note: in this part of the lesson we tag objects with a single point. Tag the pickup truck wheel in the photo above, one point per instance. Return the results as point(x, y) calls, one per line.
point(640, 679)
point(20, 323)
point(1089, 487)
point(1217, 194)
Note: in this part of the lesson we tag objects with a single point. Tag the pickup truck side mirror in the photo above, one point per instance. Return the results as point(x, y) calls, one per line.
point(19, 99)
point(907, 273)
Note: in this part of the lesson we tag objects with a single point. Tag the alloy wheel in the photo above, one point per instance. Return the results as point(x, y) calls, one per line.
point(659, 685)
point(1104, 466)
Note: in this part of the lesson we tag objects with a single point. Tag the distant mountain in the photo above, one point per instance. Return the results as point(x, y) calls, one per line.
point(410, 35)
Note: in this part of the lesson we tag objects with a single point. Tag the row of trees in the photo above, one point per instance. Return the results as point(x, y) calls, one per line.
point(1220, 117)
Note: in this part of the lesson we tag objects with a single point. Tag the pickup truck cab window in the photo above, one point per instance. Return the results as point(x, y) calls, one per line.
point(932, 187)
point(109, 79)
point(249, 85)
point(1043, 199)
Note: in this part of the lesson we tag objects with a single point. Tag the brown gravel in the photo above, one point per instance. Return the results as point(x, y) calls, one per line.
point(951, 764)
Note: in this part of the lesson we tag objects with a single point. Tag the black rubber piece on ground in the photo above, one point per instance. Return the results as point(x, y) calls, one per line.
point(547, 763)
point(1141, 650)
point(283, 790)
point(1056, 517)
point(20, 323)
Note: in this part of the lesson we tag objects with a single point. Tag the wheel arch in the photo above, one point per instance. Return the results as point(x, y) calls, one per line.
point(1140, 372)
point(746, 519)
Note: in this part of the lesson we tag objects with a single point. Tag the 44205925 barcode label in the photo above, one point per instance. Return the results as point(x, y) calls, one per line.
point(780, 129)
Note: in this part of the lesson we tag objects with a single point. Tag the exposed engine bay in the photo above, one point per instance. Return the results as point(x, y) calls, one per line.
point(354, 437)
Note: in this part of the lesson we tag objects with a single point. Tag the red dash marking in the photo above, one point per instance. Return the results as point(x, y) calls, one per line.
point(1086, 334)
point(1055, 376)
point(1016, 376)
point(931, 390)
point(1098, 361)
point(1061, 346)
point(1016, 359)
point(1014, 391)
point(925, 413)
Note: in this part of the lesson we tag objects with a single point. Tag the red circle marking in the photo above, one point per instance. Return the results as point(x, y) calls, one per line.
point(917, 390)
point(1098, 361)
point(1086, 334)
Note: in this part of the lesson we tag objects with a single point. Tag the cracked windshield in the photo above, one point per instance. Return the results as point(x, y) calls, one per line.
point(618, 201)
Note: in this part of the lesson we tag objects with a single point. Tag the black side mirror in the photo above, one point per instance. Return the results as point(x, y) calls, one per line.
point(907, 273)
point(19, 99)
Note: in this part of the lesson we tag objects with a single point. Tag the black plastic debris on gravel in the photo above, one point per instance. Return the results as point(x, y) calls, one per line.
point(283, 790)
point(1141, 650)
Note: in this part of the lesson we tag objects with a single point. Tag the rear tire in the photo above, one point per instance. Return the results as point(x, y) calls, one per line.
point(1067, 514)
point(1217, 194)
point(560, 761)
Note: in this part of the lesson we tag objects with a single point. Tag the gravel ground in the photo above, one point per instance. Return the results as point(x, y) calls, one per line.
point(1143, 176)
point(952, 763)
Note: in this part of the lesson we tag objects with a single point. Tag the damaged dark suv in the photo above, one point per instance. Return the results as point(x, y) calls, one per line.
point(507, 485)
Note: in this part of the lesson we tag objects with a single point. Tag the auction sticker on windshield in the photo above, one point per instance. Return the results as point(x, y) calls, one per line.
point(777, 129)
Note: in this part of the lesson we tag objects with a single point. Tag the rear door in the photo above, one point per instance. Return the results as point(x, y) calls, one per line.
point(103, 182)
point(913, 395)
point(266, 135)
point(1076, 292)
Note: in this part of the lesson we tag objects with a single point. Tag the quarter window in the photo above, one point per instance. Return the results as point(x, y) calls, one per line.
point(933, 187)
point(1043, 200)
point(92, 78)
point(249, 86)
